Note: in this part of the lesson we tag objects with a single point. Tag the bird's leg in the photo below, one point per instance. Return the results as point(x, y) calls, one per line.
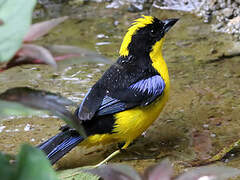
point(112, 155)
point(99, 164)
point(108, 158)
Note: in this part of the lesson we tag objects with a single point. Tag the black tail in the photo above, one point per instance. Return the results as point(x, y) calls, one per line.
point(57, 146)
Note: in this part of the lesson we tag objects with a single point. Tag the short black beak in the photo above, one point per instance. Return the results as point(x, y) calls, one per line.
point(168, 23)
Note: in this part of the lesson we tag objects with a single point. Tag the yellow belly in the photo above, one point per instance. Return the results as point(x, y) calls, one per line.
point(131, 123)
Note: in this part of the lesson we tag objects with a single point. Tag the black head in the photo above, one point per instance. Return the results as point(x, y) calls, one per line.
point(143, 35)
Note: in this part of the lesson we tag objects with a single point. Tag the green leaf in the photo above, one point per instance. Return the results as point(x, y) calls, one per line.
point(32, 164)
point(76, 174)
point(15, 16)
point(7, 170)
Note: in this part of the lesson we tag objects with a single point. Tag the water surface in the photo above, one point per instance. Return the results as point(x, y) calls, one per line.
point(201, 117)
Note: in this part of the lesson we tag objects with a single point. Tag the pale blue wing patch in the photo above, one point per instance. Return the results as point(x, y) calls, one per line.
point(110, 105)
point(152, 86)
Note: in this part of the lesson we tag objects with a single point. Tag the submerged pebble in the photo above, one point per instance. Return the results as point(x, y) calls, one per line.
point(102, 43)
point(100, 36)
point(1, 128)
point(27, 127)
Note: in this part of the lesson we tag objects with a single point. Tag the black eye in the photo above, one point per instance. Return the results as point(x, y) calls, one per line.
point(153, 33)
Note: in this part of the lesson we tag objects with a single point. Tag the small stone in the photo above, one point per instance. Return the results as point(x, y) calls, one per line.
point(135, 7)
point(115, 4)
point(207, 19)
point(213, 135)
point(234, 21)
point(2, 127)
point(226, 160)
point(205, 125)
point(234, 5)
point(116, 23)
point(185, 2)
point(27, 127)
point(219, 26)
point(213, 51)
point(100, 36)
point(228, 12)
point(222, 5)
point(217, 7)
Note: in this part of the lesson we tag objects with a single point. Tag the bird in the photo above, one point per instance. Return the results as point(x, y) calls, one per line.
point(128, 97)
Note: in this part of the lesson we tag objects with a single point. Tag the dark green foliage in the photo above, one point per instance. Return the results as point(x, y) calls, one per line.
point(7, 171)
point(30, 164)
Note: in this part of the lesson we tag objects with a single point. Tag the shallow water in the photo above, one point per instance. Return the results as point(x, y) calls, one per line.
point(201, 117)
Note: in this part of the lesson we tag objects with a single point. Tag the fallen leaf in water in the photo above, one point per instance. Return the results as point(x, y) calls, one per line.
point(37, 52)
point(202, 144)
point(42, 28)
point(43, 100)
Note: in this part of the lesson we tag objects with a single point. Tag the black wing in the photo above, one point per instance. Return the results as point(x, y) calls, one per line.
point(144, 92)
point(121, 88)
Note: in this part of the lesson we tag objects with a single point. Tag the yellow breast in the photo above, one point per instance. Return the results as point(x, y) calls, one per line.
point(132, 123)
